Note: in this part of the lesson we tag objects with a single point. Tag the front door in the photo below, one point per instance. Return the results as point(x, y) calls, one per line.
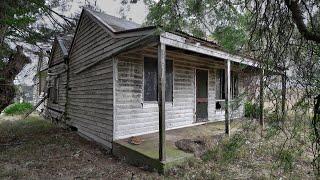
point(202, 95)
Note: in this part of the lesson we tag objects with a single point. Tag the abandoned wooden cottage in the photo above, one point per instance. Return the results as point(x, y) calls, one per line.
point(125, 80)
point(39, 81)
point(57, 78)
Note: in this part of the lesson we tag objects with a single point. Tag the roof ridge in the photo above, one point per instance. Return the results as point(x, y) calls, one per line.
point(104, 13)
point(113, 23)
point(61, 41)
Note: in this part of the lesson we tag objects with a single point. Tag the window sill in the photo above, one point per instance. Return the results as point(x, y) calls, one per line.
point(149, 104)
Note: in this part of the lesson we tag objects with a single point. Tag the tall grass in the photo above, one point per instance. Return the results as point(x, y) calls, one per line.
point(17, 108)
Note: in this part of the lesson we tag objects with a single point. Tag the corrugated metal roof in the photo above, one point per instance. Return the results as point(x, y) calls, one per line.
point(116, 23)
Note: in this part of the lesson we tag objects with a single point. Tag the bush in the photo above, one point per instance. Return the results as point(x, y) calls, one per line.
point(287, 157)
point(17, 108)
point(251, 110)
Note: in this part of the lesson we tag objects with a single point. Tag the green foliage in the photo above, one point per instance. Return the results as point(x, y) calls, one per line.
point(251, 110)
point(33, 125)
point(221, 20)
point(192, 16)
point(18, 108)
point(230, 38)
point(23, 22)
point(233, 36)
point(287, 157)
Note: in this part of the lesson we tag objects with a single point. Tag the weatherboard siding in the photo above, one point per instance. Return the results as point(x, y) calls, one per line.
point(56, 110)
point(90, 104)
point(133, 116)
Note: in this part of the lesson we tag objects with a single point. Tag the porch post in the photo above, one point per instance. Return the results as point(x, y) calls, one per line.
point(261, 116)
point(162, 99)
point(227, 95)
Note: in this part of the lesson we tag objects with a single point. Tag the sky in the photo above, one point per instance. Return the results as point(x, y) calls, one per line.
point(134, 12)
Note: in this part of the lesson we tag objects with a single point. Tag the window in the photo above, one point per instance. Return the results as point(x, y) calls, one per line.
point(151, 80)
point(54, 90)
point(234, 85)
point(220, 92)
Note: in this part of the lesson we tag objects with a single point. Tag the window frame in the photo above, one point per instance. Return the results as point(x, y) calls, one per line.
point(234, 75)
point(143, 83)
point(234, 85)
point(221, 87)
point(54, 90)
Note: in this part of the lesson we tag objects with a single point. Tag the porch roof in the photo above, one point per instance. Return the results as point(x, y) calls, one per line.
point(202, 46)
point(149, 35)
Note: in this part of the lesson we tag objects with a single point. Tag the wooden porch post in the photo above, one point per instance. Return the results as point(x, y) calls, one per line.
point(162, 99)
point(261, 116)
point(227, 95)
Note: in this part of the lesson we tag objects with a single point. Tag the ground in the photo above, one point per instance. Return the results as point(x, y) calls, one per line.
point(150, 148)
point(37, 149)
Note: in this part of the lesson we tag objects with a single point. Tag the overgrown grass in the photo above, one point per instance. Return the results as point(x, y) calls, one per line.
point(18, 108)
point(37, 149)
point(227, 151)
point(253, 154)
point(16, 130)
point(251, 110)
point(35, 145)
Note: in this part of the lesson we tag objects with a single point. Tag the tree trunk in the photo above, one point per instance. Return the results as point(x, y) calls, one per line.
point(316, 140)
point(7, 75)
point(3, 26)
point(283, 97)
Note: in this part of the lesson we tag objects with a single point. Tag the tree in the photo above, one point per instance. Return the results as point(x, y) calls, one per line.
point(24, 22)
point(282, 35)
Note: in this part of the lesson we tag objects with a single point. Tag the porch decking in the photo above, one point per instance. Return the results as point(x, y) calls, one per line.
point(147, 153)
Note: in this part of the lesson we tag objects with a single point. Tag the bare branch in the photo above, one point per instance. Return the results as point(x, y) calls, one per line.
point(297, 17)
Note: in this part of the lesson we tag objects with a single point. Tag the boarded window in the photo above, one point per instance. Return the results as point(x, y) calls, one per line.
point(151, 80)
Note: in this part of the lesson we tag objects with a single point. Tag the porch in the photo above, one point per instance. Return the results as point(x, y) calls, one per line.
point(171, 83)
point(146, 154)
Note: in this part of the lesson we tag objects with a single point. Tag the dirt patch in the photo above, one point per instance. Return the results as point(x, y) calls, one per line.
point(198, 146)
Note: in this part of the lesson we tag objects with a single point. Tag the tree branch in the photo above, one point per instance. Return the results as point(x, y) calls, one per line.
point(297, 17)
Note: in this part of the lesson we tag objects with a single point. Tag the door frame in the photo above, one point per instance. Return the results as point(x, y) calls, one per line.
point(195, 92)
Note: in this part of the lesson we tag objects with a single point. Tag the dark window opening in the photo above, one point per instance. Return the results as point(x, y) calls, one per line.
point(220, 91)
point(54, 91)
point(218, 105)
point(151, 80)
point(220, 88)
point(234, 85)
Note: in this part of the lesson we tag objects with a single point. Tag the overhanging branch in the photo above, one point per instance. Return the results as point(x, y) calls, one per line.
point(297, 17)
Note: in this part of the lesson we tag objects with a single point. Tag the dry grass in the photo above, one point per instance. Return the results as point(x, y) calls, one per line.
point(37, 149)
point(248, 155)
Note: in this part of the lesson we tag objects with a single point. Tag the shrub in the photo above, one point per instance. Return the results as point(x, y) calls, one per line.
point(227, 151)
point(286, 159)
point(231, 149)
point(251, 110)
point(18, 108)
